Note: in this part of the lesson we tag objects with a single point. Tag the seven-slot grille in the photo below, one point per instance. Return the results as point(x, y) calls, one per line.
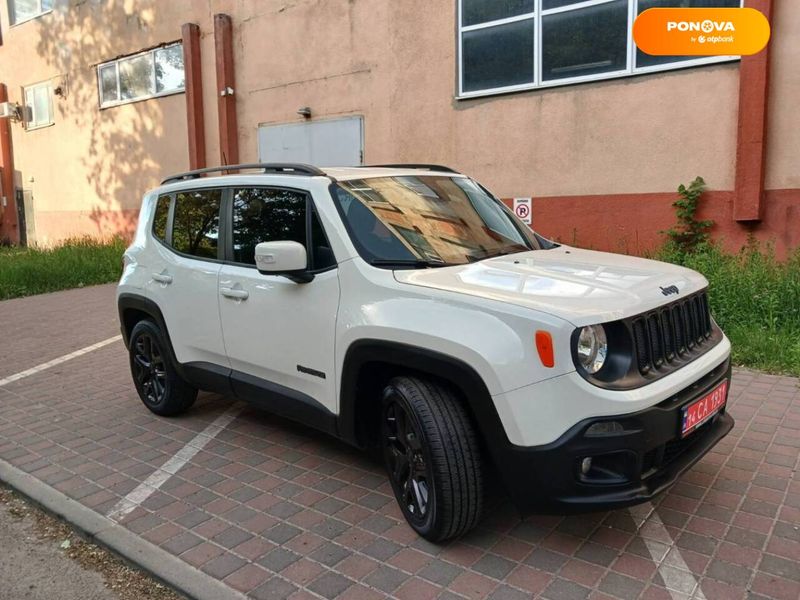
point(672, 332)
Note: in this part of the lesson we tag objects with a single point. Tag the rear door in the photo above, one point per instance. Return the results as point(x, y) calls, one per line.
point(185, 271)
point(279, 334)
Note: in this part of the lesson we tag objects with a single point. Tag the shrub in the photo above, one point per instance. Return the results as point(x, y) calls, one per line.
point(75, 263)
point(689, 233)
point(755, 298)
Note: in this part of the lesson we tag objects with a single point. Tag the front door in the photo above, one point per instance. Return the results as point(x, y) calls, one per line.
point(279, 335)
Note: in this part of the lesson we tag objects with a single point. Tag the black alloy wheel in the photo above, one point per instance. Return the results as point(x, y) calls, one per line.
point(406, 462)
point(149, 369)
point(157, 379)
point(432, 457)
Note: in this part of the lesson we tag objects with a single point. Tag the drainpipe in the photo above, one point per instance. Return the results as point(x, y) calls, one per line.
point(9, 228)
point(195, 119)
point(226, 100)
point(751, 144)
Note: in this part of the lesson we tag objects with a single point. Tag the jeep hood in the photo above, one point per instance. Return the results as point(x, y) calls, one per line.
point(581, 286)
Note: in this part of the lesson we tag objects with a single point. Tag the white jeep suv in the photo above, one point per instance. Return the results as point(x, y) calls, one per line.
point(404, 308)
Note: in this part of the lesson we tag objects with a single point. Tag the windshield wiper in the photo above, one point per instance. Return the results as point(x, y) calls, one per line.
point(411, 264)
point(501, 253)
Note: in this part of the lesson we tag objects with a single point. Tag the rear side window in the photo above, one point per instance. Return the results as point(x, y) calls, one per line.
point(160, 218)
point(266, 215)
point(195, 228)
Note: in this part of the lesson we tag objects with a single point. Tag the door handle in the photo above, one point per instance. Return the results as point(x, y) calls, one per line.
point(162, 278)
point(234, 293)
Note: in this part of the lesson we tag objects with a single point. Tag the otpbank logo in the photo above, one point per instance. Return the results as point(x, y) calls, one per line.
point(701, 31)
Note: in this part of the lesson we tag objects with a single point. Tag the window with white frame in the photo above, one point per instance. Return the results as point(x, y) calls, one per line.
point(25, 10)
point(38, 105)
point(508, 45)
point(148, 74)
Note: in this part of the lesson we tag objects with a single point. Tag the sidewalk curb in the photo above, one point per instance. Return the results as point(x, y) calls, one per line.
point(164, 566)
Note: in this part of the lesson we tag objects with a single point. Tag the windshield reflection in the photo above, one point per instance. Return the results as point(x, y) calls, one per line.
point(431, 220)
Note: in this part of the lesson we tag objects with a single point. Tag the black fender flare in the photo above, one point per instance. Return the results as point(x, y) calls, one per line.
point(142, 304)
point(454, 371)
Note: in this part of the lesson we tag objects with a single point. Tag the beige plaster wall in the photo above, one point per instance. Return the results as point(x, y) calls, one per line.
point(395, 64)
point(783, 126)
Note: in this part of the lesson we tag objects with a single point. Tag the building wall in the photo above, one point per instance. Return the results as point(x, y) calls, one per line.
point(88, 171)
point(783, 147)
point(601, 159)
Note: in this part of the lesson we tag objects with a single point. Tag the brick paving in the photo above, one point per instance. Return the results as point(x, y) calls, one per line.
point(72, 319)
point(276, 510)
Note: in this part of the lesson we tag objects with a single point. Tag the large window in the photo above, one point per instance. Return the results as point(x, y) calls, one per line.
point(25, 10)
point(148, 74)
point(508, 45)
point(38, 105)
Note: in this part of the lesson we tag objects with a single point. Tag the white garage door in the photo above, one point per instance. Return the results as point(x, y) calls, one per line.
point(337, 142)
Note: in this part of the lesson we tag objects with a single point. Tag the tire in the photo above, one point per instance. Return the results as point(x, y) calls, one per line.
point(160, 387)
point(436, 474)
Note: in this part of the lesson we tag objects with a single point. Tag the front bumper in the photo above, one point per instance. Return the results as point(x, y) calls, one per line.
point(631, 466)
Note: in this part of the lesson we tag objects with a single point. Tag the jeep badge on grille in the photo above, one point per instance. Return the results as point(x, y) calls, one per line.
point(672, 289)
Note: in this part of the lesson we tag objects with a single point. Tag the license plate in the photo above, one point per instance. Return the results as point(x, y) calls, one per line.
point(700, 411)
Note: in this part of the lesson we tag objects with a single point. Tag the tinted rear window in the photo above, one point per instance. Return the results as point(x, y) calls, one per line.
point(160, 218)
point(195, 229)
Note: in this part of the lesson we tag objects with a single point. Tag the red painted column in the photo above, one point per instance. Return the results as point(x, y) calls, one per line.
point(226, 100)
point(9, 228)
point(190, 33)
point(751, 146)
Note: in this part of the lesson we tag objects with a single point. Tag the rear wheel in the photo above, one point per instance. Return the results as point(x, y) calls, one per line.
point(432, 457)
point(160, 387)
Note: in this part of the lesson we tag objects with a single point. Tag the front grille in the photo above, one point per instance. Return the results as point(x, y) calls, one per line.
point(671, 333)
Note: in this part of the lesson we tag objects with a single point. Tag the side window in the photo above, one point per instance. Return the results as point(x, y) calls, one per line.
point(195, 228)
point(160, 218)
point(266, 215)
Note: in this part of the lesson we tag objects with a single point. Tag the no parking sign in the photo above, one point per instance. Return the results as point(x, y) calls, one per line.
point(522, 208)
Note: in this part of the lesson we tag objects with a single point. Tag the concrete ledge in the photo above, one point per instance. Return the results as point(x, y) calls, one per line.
point(147, 556)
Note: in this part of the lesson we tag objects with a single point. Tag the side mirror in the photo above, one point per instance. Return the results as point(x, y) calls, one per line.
point(283, 258)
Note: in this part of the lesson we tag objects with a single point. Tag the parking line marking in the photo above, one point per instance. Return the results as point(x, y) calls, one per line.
point(677, 576)
point(57, 361)
point(145, 489)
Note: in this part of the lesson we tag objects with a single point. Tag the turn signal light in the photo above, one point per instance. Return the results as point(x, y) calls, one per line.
point(544, 346)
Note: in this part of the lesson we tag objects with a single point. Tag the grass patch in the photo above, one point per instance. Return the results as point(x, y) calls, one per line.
point(75, 263)
point(755, 299)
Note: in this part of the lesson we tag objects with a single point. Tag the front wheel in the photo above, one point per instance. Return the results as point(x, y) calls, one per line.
point(432, 457)
point(160, 387)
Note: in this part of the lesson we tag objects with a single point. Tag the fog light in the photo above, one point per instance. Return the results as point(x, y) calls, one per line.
point(586, 465)
point(605, 428)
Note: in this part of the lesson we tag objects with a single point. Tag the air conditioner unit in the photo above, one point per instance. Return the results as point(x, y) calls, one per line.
point(9, 110)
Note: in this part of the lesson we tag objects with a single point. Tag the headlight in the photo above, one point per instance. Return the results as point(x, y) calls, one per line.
point(592, 348)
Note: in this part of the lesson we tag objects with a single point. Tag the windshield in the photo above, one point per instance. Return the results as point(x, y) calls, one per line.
point(429, 220)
